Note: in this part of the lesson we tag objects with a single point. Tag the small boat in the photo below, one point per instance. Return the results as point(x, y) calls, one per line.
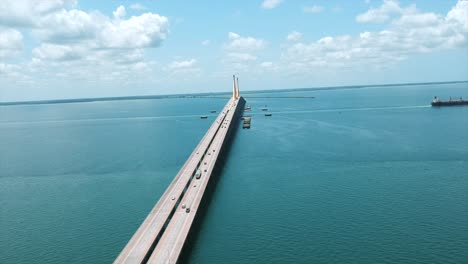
point(213, 111)
point(247, 120)
point(268, 114)
point(204, 117)
point(264, 109)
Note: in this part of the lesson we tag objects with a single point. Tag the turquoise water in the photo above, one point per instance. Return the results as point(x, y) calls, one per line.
point(370, 175)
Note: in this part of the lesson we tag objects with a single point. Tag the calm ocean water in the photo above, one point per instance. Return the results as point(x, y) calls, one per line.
point(370, 175)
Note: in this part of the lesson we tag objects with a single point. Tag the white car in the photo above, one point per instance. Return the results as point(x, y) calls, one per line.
point(198, 174)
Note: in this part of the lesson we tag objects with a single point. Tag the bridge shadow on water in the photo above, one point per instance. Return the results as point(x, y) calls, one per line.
point(210, 192)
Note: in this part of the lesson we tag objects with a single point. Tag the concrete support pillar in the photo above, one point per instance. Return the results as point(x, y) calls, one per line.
point(234, 93)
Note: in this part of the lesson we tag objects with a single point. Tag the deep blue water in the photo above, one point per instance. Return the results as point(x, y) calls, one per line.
point(369, 175)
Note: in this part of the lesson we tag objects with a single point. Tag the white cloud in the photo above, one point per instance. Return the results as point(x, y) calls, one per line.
point(120, 12)
point(182, 64)
point(206, 42)
point(459, 14)
point(419, 20)
point(25, 13)
point(270, 4)
point(183, 68)
point(241, 51)
point(137, 6)
point(239, 43)
point(410, 31)
point(8, 69)
point(58, 52)
point(87, 41)
point(294, 36)
point(146, 30)
point(79, 45)
point(384, 12)
point(72, 30)
point(313, 9)
point(232, 35)
point(11, 42)
point(76, 26)
point(266, 64)
point(69, 26)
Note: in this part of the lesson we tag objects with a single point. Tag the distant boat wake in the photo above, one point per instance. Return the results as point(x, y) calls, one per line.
point(351, 109)
point(136, 118)
point(83, 120)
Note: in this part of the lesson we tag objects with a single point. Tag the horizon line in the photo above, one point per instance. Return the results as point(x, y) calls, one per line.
point(202, 95)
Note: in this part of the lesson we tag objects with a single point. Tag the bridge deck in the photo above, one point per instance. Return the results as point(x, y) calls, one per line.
point(173, 239)
point(166, 221)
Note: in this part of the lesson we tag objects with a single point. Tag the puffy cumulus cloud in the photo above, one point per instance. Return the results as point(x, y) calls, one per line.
point(73, 31)
point(180, 66)
point(79, 45)
point(101, 68)
point(120, 12)
point(270, 4)
point(56, 52)
point(69, 26)
point(11, 42)
point(26, 13)
point(294, 36)
point(12, 74)
point(239, 43)
point(418, 20)
point(324, 52)
point(98, 31)
point(459, 14)
point(146, 30)
point(425, 32)
point(383, 13)
point(241, 51)
point(411, 32)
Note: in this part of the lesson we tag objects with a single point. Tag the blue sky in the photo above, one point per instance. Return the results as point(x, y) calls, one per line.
point(51, 49)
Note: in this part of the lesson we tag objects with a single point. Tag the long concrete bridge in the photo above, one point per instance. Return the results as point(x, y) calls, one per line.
point(163, 233)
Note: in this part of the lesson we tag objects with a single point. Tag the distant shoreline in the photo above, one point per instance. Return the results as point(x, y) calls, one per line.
point(208, 95)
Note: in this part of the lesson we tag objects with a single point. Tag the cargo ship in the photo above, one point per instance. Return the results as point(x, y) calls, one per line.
point(451, 102)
